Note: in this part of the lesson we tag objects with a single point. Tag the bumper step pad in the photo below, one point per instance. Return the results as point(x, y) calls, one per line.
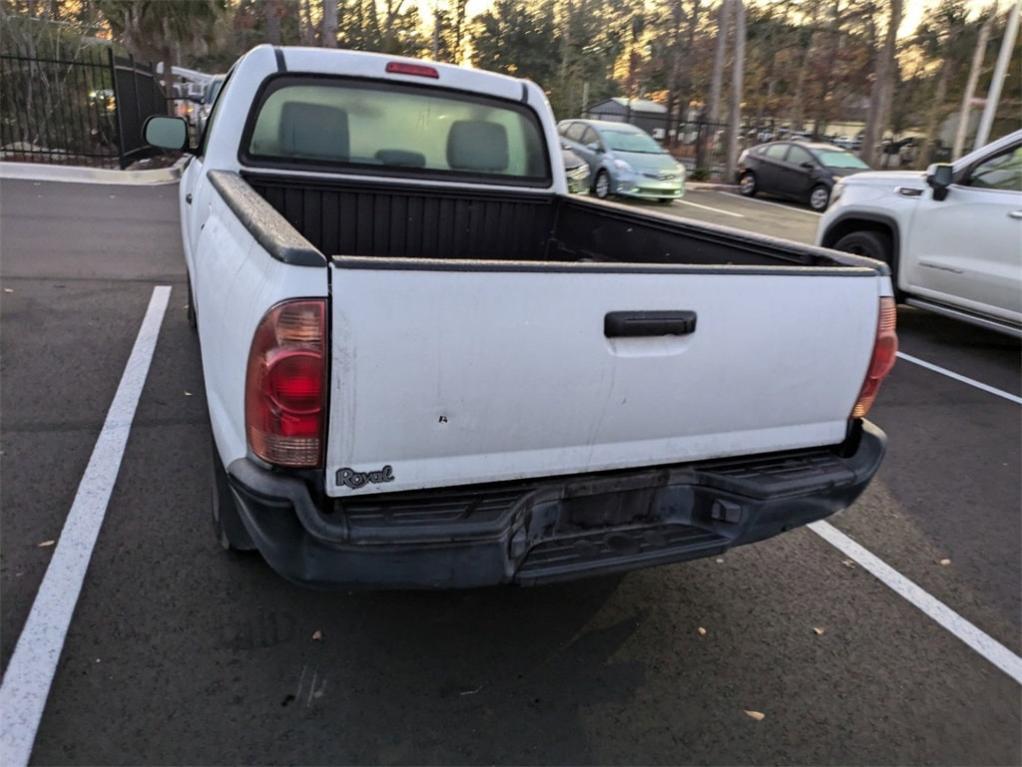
point(634, 547)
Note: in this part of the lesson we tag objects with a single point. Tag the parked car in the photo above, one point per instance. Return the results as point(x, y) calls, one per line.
point(952, 235)
point(576, 170)
point(205, 104)
point(797, 170)
point(427, 365)
point(624, 160)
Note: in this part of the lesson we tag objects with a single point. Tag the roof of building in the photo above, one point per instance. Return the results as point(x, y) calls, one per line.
point(637, 105)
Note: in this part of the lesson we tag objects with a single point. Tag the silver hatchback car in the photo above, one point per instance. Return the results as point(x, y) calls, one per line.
point(624, 160)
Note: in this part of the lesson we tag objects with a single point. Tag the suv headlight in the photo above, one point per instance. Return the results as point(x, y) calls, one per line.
point(622, 165)
point(837, 191)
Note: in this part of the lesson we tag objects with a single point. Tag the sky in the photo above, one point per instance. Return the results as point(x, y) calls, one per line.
point(913, 13)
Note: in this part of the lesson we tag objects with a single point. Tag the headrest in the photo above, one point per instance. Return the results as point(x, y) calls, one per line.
point(477, 145)
point(401, 157)
point(314, 130)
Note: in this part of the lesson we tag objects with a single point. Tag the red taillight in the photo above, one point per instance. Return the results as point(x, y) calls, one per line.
point(285, 386)
point(885, 350)
point(419, 70)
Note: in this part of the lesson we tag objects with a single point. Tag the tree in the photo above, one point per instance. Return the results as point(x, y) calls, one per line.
point(328, 35)
point(941, 39)
point(808, 42)
point(516, 39)
point(717, 80)
point(152, 30)
point(883, 88)
point(273, 11)
point(737, 90)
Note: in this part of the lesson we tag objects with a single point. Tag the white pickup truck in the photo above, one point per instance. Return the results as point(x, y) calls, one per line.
point(952, 235)
point(427, 365)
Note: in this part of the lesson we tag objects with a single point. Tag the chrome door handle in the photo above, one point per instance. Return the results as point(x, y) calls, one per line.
point(1015, 214)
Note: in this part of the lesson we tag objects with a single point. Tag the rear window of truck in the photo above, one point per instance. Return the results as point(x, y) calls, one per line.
point(394, 129)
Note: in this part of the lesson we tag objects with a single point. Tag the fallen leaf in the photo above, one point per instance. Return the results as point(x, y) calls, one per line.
point(8, 290)
point(819, 631)
point(45, 544)
point(720, 560)
point(945, 562)
point(848, 563)
point(702, 631)
point(188, 394)
point(759, 716)
point(317, 636)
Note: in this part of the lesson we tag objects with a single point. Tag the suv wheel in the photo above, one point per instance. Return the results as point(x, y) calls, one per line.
point(601, 187)
point(866, 243)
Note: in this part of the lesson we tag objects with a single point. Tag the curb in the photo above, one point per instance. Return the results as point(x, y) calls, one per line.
point(711, 186)
point(33, 171)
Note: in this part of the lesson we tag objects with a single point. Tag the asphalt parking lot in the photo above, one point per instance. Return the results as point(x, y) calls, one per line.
point(181, 654)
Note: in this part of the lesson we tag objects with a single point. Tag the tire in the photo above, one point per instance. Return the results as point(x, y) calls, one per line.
point(193, 321)
point(601, 185)
point(747, 184)
point(819, 198)
point(876, 245)
point(227, 525)
point(665, 200)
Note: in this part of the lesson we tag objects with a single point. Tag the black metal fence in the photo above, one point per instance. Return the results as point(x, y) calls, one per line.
point(83, 111)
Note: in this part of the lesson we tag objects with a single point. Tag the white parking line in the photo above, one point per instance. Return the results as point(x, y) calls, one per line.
point(26, 685)
point(980, 641)
point(959, 377)
point(792, 208)
point(715, 210)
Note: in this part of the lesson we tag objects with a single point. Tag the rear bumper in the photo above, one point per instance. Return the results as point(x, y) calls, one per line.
point(547, 529)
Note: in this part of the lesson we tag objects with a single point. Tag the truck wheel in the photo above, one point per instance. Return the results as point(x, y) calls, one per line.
point(601, 186)
point(227, 525)
point(190, 311)
point(819, 198)
point(747, 184)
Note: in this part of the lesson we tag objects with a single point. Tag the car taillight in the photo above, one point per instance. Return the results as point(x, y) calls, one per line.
point(885, 350)
point(285, 386)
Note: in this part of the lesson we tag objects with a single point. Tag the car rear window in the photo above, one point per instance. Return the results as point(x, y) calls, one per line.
point(382, 127)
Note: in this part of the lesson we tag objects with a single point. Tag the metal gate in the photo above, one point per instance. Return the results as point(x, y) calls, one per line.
point(83, 111)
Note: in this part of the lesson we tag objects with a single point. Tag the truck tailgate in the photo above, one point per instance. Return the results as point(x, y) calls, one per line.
point(453, 373)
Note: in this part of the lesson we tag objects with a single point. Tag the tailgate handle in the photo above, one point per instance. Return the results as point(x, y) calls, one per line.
point(633, 324)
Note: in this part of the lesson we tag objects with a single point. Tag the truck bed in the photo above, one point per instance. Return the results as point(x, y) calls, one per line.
point(387, 220)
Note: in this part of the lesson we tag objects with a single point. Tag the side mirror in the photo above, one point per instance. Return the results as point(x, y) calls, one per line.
point(807, 165)
point(939, 176)
point(594, 147)
point(166, 133)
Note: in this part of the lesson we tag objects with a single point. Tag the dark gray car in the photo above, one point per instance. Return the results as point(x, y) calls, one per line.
point(798, 170)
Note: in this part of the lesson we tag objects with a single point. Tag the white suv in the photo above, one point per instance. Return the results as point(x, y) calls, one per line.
point(952, 236)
